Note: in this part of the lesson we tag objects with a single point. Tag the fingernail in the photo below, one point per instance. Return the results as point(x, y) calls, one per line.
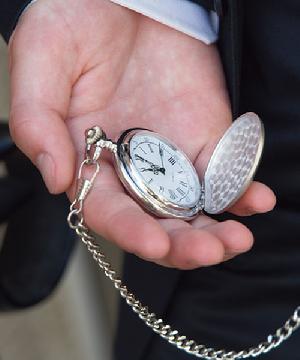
point(45, 165)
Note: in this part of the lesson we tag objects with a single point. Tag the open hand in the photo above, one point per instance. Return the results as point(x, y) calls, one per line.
point(79, 63)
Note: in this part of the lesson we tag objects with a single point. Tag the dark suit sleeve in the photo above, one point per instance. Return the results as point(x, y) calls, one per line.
point(10, 10)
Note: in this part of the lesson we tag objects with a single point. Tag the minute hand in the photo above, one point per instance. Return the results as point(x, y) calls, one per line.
point(161, 153)
point(144, 160)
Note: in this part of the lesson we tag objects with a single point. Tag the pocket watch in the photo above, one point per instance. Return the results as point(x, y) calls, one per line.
point(162, 179)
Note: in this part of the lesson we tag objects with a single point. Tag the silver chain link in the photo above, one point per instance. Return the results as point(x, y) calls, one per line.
point(76, 222)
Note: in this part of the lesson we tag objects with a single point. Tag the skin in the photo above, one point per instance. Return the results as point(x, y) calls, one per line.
point(78, 63)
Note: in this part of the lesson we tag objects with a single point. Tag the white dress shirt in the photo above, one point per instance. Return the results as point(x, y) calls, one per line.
point(182, 15)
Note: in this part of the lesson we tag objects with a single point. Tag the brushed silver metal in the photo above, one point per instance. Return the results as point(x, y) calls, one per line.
point(233, 163)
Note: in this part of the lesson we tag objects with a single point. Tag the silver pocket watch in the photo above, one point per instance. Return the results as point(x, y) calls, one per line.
point(161, 178)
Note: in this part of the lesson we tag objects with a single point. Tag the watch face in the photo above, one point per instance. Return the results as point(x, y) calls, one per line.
point(157, 174)
point(164, 169)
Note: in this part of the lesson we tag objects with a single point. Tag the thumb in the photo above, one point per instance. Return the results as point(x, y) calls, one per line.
point(41, 85)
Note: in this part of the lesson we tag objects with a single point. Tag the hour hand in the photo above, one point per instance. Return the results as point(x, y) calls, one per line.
point(155, 169)
point(162, 170)
point(144, 169)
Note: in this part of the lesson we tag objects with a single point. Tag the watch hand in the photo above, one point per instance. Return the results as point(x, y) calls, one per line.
point(144, 169)
point(155, 169)
point(153, 166)
point(144, 160)
point(161, 153)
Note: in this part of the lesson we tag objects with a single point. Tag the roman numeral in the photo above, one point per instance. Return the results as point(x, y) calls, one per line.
point(172, 160)
point(183, 183)
point(150, 147)
point(181, 192)
point(173, 196)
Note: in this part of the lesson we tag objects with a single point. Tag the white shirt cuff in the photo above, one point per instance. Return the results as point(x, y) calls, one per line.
point(182, 15)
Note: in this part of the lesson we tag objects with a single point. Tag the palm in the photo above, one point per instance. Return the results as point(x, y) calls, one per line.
point(148, 75)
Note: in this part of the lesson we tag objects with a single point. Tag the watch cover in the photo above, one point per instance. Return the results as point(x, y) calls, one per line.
point(233, 163)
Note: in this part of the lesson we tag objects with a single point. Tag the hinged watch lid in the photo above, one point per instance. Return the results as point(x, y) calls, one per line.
point(233, 163)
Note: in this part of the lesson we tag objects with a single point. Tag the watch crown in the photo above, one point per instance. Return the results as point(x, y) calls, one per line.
point(94, 134)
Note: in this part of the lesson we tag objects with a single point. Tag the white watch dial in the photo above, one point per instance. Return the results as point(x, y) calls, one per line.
point(164, 169)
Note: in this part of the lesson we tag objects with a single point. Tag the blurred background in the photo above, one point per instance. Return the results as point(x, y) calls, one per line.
point(78, 320)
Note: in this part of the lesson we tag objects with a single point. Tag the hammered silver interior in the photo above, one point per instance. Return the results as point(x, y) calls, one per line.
point(233, 163)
